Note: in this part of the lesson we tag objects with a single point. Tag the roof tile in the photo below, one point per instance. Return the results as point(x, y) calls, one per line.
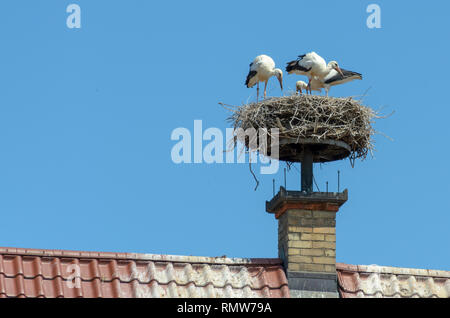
point(388, 282)
point(49, 273)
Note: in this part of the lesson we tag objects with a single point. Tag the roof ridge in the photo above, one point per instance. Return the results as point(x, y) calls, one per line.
point(139, 257)
point(377, 269)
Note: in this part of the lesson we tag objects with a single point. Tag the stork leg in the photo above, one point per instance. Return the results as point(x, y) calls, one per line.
point(309, 87)
point(265, 88)
point(257, 92)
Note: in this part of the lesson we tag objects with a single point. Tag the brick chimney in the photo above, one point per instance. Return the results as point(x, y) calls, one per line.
point(307, 240)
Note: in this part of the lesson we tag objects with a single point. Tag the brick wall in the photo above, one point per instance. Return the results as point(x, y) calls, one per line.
point(307, 240)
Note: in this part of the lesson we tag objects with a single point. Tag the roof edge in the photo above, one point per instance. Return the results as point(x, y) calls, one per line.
point(392, 270)
point(139, 256)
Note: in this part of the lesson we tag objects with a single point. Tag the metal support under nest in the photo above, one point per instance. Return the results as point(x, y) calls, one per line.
point(307, 177)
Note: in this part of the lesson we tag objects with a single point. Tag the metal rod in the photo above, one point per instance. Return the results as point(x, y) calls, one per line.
point(339, 181)
point(307, 171)
point(327, 186)
point(315, 182)
point(285, 187)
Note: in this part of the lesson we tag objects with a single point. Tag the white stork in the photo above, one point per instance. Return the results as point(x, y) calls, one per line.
point(261, 70)
point(300, 86)
point(334, 78)
point(312, 65)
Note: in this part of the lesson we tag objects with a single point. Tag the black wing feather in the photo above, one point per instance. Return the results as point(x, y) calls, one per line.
point(294, 66)
point(250, 75)
point(339, 77)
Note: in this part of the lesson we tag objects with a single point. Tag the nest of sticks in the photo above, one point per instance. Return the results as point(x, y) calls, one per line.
point(311, 117)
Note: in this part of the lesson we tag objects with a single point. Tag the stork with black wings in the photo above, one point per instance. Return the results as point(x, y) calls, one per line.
point(335, 78)
point(261, 70)
point(312, 65)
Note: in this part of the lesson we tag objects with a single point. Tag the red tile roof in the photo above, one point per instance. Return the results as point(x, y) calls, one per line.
point(51, 273)
point(390, 282)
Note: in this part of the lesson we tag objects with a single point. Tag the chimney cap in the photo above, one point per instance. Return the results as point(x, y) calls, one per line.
point(292, 197)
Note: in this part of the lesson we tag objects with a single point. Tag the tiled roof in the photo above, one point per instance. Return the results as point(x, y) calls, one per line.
point(51, 273)
point(389, 282)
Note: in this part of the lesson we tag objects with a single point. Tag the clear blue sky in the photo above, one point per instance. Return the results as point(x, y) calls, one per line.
point(86, 117)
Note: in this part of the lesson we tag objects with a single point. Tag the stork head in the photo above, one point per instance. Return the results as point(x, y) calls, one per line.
point(279, 74)
point(334, 65)
point(302, 85)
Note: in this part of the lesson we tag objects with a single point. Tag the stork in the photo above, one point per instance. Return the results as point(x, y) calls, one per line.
point(261, 70)
point(312, 65)
point(334, 78)
point(300, 86)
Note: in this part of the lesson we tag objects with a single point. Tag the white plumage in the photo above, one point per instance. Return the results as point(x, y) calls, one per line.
point(334, 78)
point(302, 86)
point(261, 70)
point(313, 66)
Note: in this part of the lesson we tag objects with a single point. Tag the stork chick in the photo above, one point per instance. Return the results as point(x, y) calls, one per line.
point(302, 86)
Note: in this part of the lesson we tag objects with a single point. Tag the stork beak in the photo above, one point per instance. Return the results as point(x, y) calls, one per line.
point(337, 68)
point(280, 79)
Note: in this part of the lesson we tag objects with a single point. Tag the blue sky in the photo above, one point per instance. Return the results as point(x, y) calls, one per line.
point(86, 117)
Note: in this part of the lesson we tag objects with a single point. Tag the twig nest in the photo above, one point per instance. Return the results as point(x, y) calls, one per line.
point(334, 128)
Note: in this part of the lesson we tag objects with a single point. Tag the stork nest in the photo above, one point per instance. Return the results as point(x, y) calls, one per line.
point(312, 117)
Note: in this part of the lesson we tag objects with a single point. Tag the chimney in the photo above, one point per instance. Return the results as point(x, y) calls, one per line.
point(307, 240)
